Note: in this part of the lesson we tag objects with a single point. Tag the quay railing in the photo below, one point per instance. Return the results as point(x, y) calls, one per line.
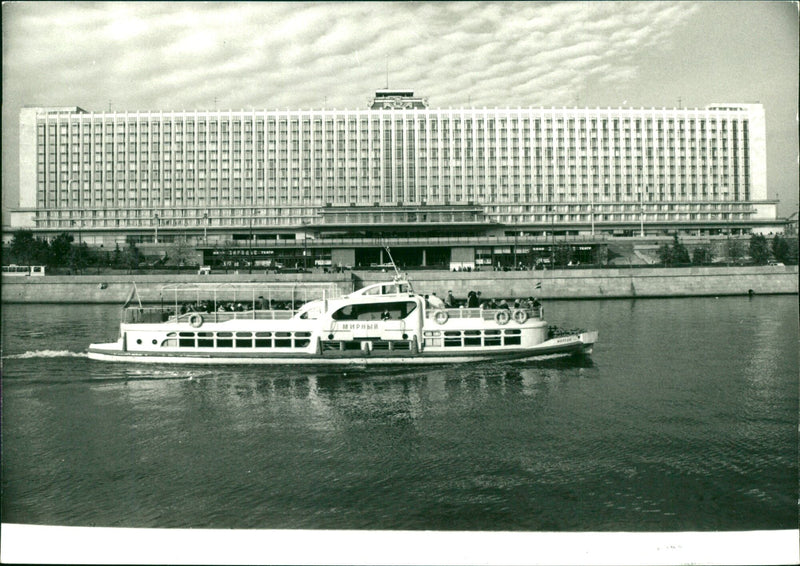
point(154, 315)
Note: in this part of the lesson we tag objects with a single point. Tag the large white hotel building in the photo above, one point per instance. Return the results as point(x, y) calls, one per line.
point(336, 179)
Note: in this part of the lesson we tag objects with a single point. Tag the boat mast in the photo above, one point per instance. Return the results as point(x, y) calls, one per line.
point(398, 276)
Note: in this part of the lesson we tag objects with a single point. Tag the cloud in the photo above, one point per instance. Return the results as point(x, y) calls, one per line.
point(181, 47)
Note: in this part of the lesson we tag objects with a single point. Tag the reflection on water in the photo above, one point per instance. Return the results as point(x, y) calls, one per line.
point(685, 418)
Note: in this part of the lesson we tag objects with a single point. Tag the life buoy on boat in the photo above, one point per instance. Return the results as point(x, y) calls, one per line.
point(520, 316)
point(501, 317)
point(196, 320)
point(441, 317)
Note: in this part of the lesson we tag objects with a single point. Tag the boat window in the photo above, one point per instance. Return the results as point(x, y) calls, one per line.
point(283, 334)
point(187, 334)
point(302, 335)
point(312, 313)
point(492, 338)
point(432, 333)
point(376, 311)
point(512, 337)
point(263, 342)
point(169, 342)
point(244, 342)
point(224, 342)
point(186, 342)
point(302, 343)
point(172, 335)
point(283, 342)
point(206, 334)
point(262, 334)
point(472, 338)
point(243, 334)
point(452, 338)
point(224, 334)
point(205, 342)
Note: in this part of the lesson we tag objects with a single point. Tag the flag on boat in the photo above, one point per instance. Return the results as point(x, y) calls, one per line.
point(538, 285)
point(131, 295)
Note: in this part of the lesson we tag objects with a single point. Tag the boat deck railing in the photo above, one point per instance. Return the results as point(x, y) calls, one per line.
point(485, 314)
point(152, 315)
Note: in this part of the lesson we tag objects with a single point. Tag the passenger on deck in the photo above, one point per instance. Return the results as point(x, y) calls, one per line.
point(472, 300)
point(435, 301)
point(503, 304)
point(385, 315)
point(450, 300)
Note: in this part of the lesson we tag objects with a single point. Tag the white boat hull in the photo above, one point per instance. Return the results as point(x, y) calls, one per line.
point(575, 344)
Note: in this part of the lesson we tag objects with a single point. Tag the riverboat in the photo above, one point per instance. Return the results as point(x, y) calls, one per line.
point(384, 323)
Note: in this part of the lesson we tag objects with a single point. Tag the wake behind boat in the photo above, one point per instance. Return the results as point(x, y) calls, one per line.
point(384, 323)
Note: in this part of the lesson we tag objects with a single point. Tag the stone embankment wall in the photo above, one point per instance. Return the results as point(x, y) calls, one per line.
point(608, 283)
point(117, 288)
point(556, 284)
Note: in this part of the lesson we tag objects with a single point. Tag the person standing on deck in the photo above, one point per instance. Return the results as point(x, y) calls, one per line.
point(435, 301)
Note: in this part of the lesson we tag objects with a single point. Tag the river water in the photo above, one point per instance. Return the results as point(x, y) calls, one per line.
point(684, 419)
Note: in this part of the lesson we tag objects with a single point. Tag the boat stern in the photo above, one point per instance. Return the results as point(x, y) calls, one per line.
point(105, 351)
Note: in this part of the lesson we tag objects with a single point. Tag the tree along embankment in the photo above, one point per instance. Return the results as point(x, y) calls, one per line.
point(554, 284)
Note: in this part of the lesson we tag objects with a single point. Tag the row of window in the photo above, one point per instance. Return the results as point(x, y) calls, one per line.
point(246, 340)
point(478, 156)
point(235, 340)
point(210, 215)
point(430, 120)
point(461, 338)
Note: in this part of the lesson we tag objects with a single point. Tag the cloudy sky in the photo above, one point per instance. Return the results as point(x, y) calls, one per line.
point(267, 55)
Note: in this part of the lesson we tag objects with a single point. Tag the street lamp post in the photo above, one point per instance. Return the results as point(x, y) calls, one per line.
point(74, 223)
point(155, 217)
point(304, 223)
point(726, 217)
point(641, 213)
point(253, 212)
point(80, 208)
point(205, 228)
point(514, 250)
point(250, 244)
point(551, 208)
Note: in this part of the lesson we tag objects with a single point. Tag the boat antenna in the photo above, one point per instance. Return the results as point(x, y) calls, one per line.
point(398, 276)
point(396, 271)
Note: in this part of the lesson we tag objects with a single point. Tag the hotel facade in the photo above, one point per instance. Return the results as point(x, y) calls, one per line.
point(454, 186)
